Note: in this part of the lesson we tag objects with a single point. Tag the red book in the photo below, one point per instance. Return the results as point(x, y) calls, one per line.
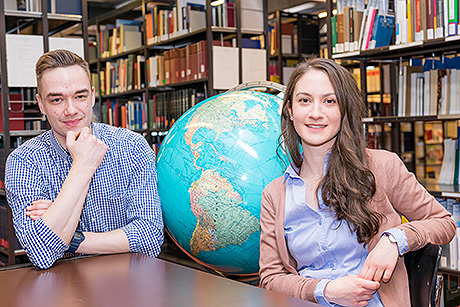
point(203, 68)
point(124, 116)
point(16, 112)
point(116, 114)
point(188, 62)
point(230, 14)
point(194, 61)
point(182, 64)
point(168, 67)
point(174, 65)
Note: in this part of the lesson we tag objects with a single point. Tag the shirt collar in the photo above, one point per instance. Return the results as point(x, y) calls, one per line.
point(292, 171)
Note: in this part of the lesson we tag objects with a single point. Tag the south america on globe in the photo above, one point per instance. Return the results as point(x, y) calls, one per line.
point(212, 167)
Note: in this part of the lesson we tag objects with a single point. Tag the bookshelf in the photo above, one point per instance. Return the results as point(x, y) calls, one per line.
point(418, 67)
point(292, 36)
point(45, 28)
point(178, 64)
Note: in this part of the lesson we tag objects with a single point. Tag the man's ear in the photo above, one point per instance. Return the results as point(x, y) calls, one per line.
point(40, 104)
point(93, 96)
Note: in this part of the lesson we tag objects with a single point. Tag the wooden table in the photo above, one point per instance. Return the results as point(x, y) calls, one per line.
point(129, 280)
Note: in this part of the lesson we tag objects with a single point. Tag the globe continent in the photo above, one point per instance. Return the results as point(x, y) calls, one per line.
point(212, 167)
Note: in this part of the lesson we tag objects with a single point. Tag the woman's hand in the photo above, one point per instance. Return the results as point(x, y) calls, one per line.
point(350, 291)
point(381, 261)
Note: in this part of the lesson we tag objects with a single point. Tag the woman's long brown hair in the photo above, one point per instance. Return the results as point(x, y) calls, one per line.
point(348, 184)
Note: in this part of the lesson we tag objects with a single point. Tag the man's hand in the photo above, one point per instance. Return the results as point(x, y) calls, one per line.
point(350, 291)
point(37, 208)
point(381, 261)
point(85, 149)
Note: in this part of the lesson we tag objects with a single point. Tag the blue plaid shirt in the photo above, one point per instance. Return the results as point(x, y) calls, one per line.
point(122, 194)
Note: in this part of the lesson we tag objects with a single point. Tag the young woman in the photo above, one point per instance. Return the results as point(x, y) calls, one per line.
point(331, 226)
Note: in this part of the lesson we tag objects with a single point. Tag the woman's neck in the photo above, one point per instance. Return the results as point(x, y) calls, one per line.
point(313, 162)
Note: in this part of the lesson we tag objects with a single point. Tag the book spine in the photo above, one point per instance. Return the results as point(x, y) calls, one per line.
point(452, 17)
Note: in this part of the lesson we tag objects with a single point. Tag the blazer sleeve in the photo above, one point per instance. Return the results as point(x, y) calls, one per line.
point(429, 222)
point(275, 272)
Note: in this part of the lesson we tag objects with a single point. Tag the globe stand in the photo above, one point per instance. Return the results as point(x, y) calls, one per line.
point(260, 84)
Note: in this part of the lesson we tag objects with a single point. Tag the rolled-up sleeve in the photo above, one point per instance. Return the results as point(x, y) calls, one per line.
point(24, 184)
point(145, 222)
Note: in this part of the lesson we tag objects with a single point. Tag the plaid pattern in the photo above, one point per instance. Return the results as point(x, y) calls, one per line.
point(122, 194)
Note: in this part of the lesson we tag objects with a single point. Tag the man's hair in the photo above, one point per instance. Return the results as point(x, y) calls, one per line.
point(56, 59)
point(348, 185)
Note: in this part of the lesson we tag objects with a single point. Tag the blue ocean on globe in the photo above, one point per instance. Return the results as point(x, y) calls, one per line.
point(212, 168)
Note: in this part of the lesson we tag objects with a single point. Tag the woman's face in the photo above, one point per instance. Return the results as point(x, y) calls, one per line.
point(315, 111)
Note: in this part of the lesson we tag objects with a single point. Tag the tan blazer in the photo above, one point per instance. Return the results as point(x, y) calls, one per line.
point(397, 192)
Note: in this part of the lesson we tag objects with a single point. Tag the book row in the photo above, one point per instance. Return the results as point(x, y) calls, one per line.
point(450, 257)
point(430, 87)
point(123, 36)
point(420, 20)
point(159, 112)
point(359, 27)
point(289, 40)
point(23, 111)
point(172, 66)
point(379, 23)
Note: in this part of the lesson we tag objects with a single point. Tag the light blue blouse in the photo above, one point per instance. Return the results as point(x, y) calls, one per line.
point(323, 247)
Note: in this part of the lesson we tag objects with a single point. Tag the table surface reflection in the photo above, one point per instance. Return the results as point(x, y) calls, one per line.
point(129, 280)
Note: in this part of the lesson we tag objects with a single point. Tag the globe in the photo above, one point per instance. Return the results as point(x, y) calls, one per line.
point(212, 167)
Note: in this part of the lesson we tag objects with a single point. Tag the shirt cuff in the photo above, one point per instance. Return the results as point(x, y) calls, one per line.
point(401, 239)
point(319, 292)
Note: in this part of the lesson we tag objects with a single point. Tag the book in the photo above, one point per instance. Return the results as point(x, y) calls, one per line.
point(430, 18)
point(67, 7)
point(340, 27)
point(252, 15)
point(382, 32)
point(368, 25)
point(130, 38)
point(452, 17)
point(334, 33)
point(16, 112)
point(439, 31)
point(196, 19)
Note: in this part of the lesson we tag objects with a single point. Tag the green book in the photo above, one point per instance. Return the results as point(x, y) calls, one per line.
point(333, 33)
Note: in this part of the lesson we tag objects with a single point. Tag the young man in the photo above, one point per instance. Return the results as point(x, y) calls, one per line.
point(81, 187)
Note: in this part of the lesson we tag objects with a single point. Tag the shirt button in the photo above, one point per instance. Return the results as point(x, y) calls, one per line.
point(93, 219)
point(320, 222)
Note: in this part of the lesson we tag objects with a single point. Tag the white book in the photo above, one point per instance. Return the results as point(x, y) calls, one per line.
point(453, 253)
point(445, 93)
point(426, 93)
point(401, 96)
point(453, 81)
point(445, 175)
point(414, 108)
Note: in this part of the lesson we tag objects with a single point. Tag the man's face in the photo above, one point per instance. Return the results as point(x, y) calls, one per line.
point(67, 99)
